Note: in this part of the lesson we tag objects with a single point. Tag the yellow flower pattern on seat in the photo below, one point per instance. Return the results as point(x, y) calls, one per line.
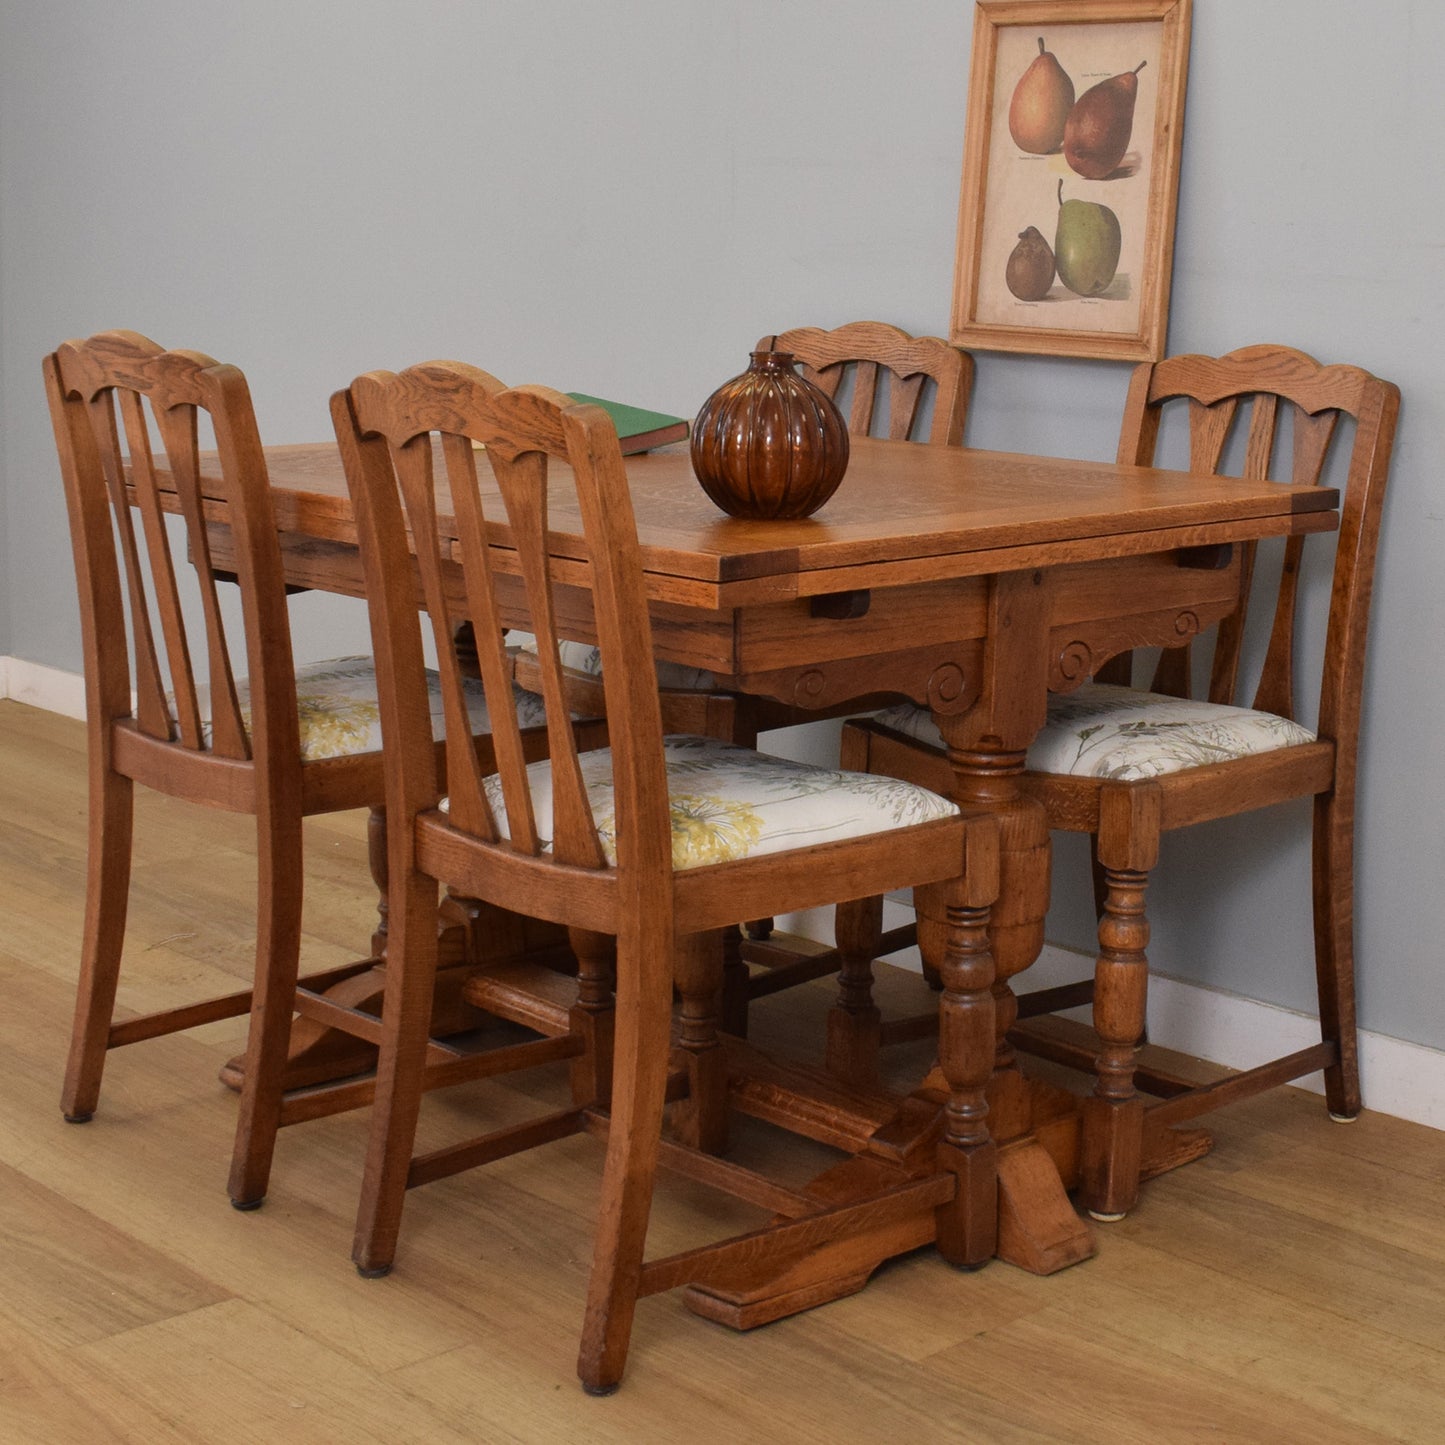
point(1102, 730)
point(712, 829)
point(728, 802)
point(340, 716)
point(333, 727)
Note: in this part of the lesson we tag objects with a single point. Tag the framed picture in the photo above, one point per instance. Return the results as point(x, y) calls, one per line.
point(1071, 177)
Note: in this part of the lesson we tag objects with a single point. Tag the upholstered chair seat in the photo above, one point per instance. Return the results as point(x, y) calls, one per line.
point(728, 802)
point(1106, 731)
point(339, 715)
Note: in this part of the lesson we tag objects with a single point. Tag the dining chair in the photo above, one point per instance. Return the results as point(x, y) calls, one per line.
point(261, 736)
point(1128, 764)
point(658, 844)
point(891, 376)
point(907, 388)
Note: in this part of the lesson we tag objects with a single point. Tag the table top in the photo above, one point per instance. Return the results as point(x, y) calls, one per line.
point(904, 513)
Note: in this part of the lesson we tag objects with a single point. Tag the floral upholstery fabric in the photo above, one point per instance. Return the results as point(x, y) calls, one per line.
point(729, 802)
point(340, 715)
point(1106, 731)
point(586, 657)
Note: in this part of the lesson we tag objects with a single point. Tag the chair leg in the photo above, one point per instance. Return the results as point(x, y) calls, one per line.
point(736, 978)
point(854, 1022)
point(1097, 877)
point(644, 1008)
point(593, 1016)
point(278, 949)
point(701, 1120)
point(1334, 898)
point(1113, 1117)
point(405, 1023)
point(107, 892)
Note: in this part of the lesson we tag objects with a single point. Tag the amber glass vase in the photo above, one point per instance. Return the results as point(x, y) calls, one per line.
point(769, 443)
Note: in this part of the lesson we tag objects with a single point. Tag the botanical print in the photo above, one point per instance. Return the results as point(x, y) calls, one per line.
point(1070, 177)
point(1067, 193)
point(727, 802)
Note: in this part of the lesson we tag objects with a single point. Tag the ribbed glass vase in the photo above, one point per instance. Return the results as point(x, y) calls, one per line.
point(768, 443)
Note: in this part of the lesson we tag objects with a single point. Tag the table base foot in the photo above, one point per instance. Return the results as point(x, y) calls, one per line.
point(1167, 1148)
point(747, 1314)
point(1038, 1229)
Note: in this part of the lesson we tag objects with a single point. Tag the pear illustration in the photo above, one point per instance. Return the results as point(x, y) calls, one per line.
point(1030, 269)
point(1097, 130)
point(1086, 245)
point(1040, 105)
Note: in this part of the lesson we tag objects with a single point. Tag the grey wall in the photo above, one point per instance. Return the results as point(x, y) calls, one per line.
point(620, 197)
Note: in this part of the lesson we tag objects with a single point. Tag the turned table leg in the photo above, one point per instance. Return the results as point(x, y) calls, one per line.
point(953, 934)
point(987, 746)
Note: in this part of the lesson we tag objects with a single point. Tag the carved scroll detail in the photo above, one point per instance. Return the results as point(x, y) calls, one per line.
point(949, 689)
point(1074, 664)
point(809, 688)
point(1078, 652)
point(944, 678)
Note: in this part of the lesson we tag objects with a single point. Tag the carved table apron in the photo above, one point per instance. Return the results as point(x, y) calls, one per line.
point(970, 582)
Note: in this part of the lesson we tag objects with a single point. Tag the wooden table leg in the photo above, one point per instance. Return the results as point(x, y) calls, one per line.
point(955, 938)
point(1038, 1228)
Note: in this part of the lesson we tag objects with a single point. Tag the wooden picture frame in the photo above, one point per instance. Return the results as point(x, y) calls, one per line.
point(1064, 133)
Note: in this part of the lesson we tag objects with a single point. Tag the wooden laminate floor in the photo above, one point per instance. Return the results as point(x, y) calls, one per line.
point(1290, 1287)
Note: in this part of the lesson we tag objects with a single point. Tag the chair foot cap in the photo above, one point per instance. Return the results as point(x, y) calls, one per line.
point(78, 1118)
point(373, 1271)
point(245, 1206)
point(1104, 1218)
point(1344, 1118)
point(598, 1391)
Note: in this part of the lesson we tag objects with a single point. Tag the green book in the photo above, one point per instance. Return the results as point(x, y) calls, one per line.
point(638, 430)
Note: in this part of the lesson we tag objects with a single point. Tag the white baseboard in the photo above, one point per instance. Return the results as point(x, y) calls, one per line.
point(1399, 1078)
point(48, 688)
point(1396, 1077)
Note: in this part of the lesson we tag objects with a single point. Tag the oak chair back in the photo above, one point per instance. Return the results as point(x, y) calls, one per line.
point(1255, 388)
point(111, 397)
point(398, 430)
point(890, 365)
